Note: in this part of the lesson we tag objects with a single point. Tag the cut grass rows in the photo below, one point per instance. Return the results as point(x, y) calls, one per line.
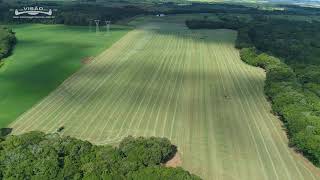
point(165, 80)
point(70, 84)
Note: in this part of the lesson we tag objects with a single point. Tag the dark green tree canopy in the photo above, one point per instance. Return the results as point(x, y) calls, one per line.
point(36, 155)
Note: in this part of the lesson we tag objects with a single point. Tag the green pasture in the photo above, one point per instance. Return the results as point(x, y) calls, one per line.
point(43, 58)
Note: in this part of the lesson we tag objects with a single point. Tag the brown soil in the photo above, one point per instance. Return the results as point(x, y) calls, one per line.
point(175, 161)
point(87, 60)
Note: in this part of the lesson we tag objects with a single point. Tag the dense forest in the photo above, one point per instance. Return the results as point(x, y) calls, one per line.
point(36, 155)
point(7, 42)
point(72, 14)
point(82, 11)
point(289, 51)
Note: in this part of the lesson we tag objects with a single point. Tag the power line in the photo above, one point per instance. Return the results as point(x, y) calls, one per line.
point(97, 25)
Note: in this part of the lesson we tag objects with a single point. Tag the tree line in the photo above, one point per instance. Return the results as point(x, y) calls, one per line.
point(36, 155)
point(71, 14)
point(7, 41)
point(289, 51)
point(81, 11)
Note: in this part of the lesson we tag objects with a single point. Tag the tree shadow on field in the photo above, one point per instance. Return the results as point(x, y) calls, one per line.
point(138, 85)
point(5, 132)
point(140, 79)
point(135, 80)
point(180, 31)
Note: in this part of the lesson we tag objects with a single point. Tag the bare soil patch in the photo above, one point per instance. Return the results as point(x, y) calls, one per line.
point(175, 161)
point(87, 60)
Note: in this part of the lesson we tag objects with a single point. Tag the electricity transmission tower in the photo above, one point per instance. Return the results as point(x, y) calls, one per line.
point(108, 23)
point(97, 25)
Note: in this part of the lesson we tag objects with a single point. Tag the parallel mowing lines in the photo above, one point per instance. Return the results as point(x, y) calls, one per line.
point(268, 117)
point(184, 116)
point(307, 169)
point(132, 119)
point(206, 65)
point(211, 108)
point(115, 99)
point(179, 139)
point(70, 80)
point(166, 86)
point(140, 88)
point(235, 127)
point(167, 57)
point(52, 105)
point(221, 84)
point(178, 93)
point(228, 145)
point(188, 110)
point(172, 85)
point(154, 76)
point(141, 101)
point(102, 101)
point(240, 124)
point(89, 102)
point(175, 84)
point(202, 101)
point(120, 98)
point(251, 113)
point(249, 127)
point(146, 129)
point(147, 85)
point(257, 110)
point(257, 96)
point(163, 62)
point(256, 124)
point(283, 143)
point(89, 95)
point(163, 90)
point(101, 81)
point(79, 99)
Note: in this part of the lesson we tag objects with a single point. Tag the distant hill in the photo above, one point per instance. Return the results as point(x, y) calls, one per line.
point(315, 3)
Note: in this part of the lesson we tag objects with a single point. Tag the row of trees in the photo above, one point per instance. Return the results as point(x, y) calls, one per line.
point(289, 52)
point(7, 42)
point(79, 12)
point(37, 155)
point(296, 107)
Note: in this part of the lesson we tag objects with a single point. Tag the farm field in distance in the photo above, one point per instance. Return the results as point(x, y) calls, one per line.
point(190, 86)
point(27, 76)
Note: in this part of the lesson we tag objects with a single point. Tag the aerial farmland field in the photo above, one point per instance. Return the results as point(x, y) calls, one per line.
point(190, 86)
point(28, 75)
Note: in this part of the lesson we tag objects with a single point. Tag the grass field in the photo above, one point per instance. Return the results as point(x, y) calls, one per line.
point(43, 58)
point(190, 86)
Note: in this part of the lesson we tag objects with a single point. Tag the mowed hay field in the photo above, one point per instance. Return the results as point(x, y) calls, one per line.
point(162, 79)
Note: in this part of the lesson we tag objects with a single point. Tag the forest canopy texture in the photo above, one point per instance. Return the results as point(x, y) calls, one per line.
point(289, 51)
point(7, 41)
point(36, 155)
